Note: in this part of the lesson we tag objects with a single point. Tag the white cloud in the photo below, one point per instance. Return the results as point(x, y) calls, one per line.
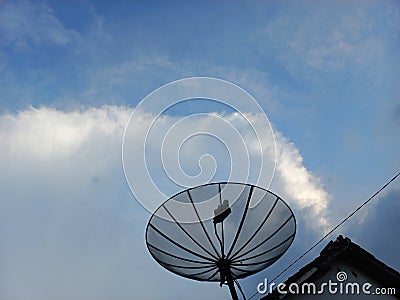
point(23, 23)
point(323, 38)
point(54, 133)
point(301, 185)
point(69, 226)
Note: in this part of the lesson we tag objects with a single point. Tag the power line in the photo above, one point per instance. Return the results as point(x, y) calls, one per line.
point(332, 230)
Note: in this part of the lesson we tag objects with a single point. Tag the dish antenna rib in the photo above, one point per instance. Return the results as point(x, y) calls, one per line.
point(214, 232)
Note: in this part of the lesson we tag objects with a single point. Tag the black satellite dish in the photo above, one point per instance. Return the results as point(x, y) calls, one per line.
point(220, 232)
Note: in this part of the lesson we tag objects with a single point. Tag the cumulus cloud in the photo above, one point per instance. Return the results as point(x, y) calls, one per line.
point(69, 226)
point(300, 185)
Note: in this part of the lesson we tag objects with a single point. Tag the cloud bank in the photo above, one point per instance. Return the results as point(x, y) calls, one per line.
point(69, 226)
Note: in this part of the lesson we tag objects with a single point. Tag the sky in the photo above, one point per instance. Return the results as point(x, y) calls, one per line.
point(326, 74)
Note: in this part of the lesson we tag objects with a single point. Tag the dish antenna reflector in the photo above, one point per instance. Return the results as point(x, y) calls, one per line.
point(213, 233)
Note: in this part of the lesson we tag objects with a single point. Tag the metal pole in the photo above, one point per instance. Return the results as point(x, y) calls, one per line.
point(231, 285)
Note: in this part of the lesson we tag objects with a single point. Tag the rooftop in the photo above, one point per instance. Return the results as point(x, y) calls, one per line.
point(344, 249)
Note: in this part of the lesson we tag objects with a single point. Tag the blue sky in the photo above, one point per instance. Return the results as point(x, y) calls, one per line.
point(327, 75)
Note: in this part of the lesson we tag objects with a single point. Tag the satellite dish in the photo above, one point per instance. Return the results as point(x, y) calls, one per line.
point(220, 232)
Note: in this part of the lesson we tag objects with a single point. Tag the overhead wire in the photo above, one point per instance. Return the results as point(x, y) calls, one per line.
point(332, 230)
